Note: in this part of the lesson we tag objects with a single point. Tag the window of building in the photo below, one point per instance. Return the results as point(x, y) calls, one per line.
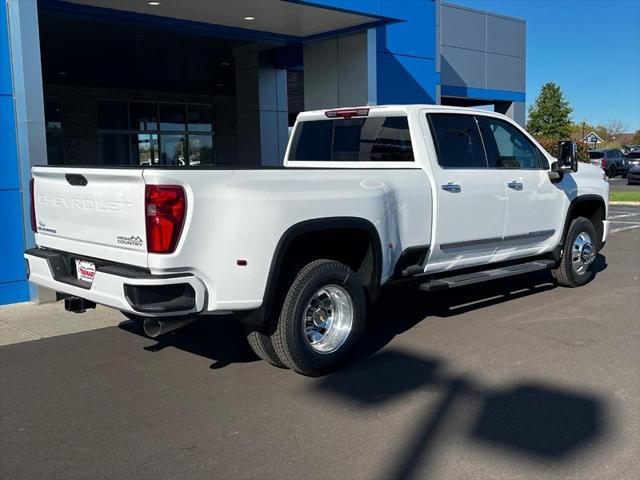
point(112, 115)
point(506, 146)
point(144, 147)
point(152, 133)
point(173, 117)
point(372, 139)
point(144, 116)
point(457, 140)
point(53, 124)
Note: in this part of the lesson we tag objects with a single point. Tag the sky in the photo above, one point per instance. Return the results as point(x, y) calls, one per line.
point(591, 48)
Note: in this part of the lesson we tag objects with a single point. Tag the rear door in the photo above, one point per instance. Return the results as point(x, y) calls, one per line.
point(92, 212)
point(470, 197)
point(532, 199)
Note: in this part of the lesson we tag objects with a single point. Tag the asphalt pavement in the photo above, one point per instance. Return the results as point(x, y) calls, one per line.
point(513, 379)
point(619, 184)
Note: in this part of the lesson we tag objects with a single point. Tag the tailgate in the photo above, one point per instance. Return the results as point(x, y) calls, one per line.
point(92, 212)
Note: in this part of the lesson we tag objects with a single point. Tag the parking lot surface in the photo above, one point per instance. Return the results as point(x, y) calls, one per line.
point(619, 184)
point(511, 379)
point(623, 218)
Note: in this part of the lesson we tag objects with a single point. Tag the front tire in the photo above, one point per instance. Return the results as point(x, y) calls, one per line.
point(322, 318)
point(579, 254)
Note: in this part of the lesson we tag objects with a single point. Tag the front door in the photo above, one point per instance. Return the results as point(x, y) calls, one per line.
point(470, 197)
point(532, 199)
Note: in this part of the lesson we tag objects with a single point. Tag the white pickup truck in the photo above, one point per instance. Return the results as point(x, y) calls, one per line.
point(437, 196)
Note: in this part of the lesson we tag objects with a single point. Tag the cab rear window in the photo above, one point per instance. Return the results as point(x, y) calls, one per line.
point(371, 139)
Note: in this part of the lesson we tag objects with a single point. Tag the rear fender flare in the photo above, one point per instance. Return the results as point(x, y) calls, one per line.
point(261, 316)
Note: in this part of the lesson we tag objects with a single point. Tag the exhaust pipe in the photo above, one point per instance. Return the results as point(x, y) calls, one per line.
point(154, 327)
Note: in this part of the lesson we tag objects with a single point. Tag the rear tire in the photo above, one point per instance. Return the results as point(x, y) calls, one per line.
point(579, 254)
point(261, 344)
point(611, 172)
point(322, 318)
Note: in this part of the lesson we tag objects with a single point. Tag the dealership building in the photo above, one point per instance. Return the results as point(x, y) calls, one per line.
point(220, 82)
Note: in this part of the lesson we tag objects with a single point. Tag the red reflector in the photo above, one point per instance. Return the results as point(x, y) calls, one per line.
point(165, 208)
point(32, 195)
point(347, 113)
point(603, 163)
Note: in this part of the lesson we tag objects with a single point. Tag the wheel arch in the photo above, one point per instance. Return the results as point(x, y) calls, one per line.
point(369, 269)
point(590, 206)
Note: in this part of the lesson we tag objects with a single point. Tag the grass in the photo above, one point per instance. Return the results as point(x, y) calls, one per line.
point(624, 196)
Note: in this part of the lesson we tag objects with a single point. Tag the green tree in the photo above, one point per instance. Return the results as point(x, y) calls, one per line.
point(550, 115)
point(636, 138)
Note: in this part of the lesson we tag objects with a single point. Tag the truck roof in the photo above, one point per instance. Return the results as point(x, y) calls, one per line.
point(320, 114)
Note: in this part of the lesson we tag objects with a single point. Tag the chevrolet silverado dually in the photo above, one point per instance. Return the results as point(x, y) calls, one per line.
point(438, 197)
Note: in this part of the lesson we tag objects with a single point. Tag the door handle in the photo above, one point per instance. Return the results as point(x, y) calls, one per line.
point(515, 185)
point(451, 187)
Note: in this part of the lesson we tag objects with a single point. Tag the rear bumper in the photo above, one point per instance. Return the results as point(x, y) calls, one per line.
point(129, 289)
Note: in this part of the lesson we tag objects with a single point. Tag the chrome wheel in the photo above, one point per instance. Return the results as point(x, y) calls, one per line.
point(583, 253)
point(328, 319)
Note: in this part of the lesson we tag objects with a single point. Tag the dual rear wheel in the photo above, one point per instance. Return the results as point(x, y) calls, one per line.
point(322, 318)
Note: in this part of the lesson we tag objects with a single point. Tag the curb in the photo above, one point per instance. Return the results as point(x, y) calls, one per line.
point(628, 204)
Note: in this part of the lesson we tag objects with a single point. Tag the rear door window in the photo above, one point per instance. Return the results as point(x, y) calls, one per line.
point(457, 140)
point(506, 146)
point(371, 139)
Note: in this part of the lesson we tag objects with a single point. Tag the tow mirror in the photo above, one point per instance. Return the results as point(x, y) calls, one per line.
point(567, 157)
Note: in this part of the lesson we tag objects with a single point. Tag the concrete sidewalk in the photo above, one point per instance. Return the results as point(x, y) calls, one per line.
point(23, 322)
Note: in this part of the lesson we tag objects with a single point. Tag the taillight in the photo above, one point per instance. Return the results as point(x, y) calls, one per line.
point(603, 164)
point(165, 209)
point(34, 225)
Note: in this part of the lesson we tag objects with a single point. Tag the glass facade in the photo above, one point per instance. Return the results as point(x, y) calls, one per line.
point(155, 133)
point(53, 124)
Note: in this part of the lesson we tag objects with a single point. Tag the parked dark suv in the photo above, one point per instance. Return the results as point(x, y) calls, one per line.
point(612, 161)
point(633, 160)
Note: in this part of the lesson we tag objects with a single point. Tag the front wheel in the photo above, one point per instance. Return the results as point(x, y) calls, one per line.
point(579, 254)
point(322, 318)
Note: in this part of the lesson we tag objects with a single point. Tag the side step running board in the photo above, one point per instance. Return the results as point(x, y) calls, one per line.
point(483, 276)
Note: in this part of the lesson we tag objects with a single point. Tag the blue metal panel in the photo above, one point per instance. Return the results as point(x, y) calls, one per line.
point(9, 175)
point(403, 79)
point(12, 267)
point(14, 292)
point(5, 58)
point(482, 93)
point(13, 284)
point(416, 36)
